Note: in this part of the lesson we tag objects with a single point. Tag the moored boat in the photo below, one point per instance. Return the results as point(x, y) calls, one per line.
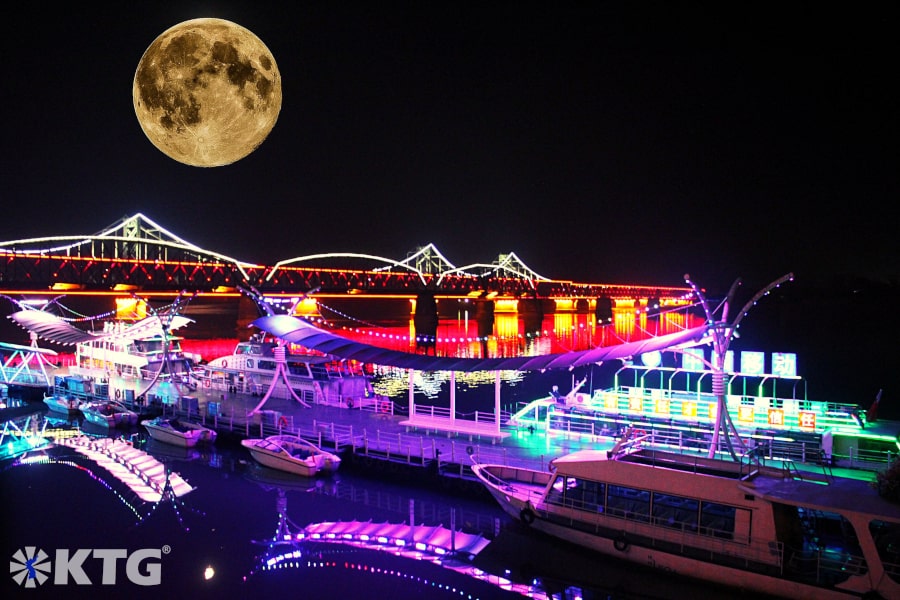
point(179, 433)
point(764, 528)
point(64, 405)
point(292, 454)
point(253, 368)
point(109, 414)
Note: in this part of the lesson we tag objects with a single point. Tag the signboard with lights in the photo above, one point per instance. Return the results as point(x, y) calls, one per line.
point(807, 420)
point(745, 414)
point(753, 363)
point(784, 364)
point(776, 417)
point(692, 359)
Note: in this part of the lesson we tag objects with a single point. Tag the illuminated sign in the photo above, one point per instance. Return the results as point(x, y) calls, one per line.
point(689, 408)
point(610, 401)
point(745, 414)
point(692, 359)
point(662, 406)
point(784, 364)
point(753, 363)
point(635, 404)
point(807, 419)
point(776, 417)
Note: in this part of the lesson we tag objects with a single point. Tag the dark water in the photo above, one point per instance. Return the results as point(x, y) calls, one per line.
point(69, 502)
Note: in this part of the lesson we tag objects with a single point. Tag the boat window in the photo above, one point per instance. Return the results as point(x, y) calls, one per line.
point(628, 502)
point(675, 511)
point(717, 520)
point(577, 493)
point(887, 542)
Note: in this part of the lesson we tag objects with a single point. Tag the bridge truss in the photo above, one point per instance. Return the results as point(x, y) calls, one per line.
point(136, 253)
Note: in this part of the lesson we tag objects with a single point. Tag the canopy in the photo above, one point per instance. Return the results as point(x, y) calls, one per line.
point(297, 331)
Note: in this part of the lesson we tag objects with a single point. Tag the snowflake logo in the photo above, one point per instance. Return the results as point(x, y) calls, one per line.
point(29, 566)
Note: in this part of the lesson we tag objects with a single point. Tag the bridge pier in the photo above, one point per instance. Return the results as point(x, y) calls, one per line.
point(425, 320)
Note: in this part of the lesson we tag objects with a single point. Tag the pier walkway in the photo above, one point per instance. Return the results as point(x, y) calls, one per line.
point(372, 433)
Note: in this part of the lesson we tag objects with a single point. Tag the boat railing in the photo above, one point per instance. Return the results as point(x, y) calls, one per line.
point(529, 477)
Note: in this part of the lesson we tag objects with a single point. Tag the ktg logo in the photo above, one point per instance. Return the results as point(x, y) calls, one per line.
point(30, 566)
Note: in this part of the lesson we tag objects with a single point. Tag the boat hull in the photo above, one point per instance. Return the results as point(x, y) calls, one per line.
point(63, 406)
point(188, 438)
point(104, 415)
point(515, 490)
point(316, 462)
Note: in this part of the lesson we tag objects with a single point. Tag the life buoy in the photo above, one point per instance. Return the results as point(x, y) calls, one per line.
point(349, 402)
point(621, 542)
point(282, 422)
point(526, 516)
point(224, 362)
point(207, 383)
point(118, 394)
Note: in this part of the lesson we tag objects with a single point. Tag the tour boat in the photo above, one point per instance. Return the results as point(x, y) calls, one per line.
point(292, 454)
point(763, 528)
point(127, 357)
point(253, 368)
point(135, 352)
point(179, 433)
point(108, 413)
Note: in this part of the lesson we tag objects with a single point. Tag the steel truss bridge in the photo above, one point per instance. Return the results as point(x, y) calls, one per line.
point(137, 254)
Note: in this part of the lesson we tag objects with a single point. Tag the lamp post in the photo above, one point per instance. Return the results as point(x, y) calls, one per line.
point(722, 333)
point(165, 324)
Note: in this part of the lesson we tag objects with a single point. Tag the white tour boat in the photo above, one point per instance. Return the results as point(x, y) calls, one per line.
point(128, 357)
point(179, 433)
point(767, 530)
point(253, 368)
point(292, 454)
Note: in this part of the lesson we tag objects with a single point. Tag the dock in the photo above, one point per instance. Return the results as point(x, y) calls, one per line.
point(376, 435)
point(144, 474)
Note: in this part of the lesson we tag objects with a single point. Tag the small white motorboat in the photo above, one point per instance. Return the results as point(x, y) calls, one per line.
point(179, 433)
point(109, 414)
point(292, 454)
point(71, 407)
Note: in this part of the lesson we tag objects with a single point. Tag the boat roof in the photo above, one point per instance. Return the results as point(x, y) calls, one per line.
point(825, 492)
point(298, 331)
point(835, 494)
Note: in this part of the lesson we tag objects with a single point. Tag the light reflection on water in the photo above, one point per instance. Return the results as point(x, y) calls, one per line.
point(225, 525)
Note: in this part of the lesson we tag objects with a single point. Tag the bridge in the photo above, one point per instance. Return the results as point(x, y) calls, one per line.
point(136, 254)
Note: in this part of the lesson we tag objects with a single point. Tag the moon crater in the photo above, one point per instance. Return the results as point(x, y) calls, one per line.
point(207, 92)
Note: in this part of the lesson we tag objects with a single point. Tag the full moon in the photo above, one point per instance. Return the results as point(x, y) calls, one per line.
point(207, 92)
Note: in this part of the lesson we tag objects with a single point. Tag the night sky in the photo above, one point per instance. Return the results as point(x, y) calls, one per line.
point(597, 143)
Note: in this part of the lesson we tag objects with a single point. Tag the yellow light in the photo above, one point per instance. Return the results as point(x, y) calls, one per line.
point(209, 573)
